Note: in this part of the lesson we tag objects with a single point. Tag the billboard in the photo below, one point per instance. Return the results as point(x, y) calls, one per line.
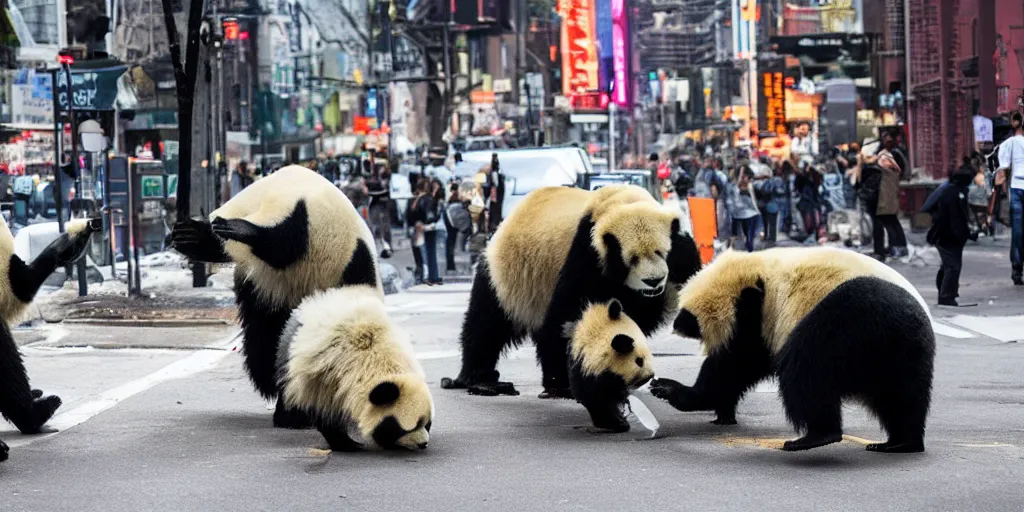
point(620, 54)
point(771, 96)
point(603, 28)
point(579, 53)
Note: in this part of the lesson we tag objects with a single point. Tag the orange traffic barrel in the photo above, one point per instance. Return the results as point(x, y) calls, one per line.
point(705, 225)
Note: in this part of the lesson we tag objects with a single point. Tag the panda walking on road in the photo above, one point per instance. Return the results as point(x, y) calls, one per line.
point(831, 324)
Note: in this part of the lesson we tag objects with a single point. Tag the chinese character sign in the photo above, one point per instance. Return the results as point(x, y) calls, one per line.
point(579, 53)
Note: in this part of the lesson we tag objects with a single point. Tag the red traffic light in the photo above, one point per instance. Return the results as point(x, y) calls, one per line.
point(66, 59)
point(231, 29)
point(243, 35)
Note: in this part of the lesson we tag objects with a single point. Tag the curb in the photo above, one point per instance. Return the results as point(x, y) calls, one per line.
point(142, 322)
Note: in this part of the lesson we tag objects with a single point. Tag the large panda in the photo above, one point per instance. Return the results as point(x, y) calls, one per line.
point(831, 324)
point(289, 234)
point(27, 408)
point(344, 363)
point(560, 250)
point(608, 358)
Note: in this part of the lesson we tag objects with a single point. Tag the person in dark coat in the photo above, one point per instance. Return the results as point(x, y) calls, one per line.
point(949, 232)
point(494, 191)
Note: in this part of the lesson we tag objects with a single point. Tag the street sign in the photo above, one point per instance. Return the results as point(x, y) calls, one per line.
point(152, 187)
point(172, 185)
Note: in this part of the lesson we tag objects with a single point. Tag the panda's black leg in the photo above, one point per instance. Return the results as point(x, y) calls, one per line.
point(725, 376)
point(337, 438)
point(486, 332)
point(18, 403)
point(289, 417)
point(902, 409)
point(195, 239)
point(607, 415)
point(683, 257)
point(280, 246)
point(3, 451)
point(813, 404)
point(552, 352)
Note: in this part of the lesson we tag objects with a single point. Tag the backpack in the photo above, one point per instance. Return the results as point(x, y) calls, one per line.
point(459, 217)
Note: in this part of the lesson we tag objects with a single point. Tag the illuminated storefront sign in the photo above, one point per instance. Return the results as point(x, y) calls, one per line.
point(579, 53)
point(771, 100)
point(620, 53)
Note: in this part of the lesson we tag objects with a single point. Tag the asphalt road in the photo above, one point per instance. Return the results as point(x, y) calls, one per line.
point(169, 425)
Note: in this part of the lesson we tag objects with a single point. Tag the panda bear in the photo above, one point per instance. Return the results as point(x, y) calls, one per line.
point(344, 363)
point(558, 251)
point(289, 234)
point(830, 324)
point(608, 357)
point(23, 406)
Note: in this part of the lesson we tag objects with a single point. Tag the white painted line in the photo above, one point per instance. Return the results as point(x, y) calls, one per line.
point(950, 332)
point(1002, 328)
point(191, 365)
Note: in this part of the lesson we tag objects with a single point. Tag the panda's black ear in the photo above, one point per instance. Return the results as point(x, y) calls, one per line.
point(384, 394)
point(675, 225)
point(614, 309)
point(622, 344)
point(686, 325)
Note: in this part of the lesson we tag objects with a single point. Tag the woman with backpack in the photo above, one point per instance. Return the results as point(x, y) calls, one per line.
point(457, 220)
point(771, 194)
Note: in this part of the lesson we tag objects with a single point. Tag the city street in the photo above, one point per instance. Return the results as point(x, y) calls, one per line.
point(173, 424)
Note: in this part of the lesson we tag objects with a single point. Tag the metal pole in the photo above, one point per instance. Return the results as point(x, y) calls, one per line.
point(110, 215)
point(611, 136)
point(908, 95)
point(58, 139)
point(83, 287)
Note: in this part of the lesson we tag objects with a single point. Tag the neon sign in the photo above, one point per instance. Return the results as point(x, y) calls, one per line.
point(620, 53)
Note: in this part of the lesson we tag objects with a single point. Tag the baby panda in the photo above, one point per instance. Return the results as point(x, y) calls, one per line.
point(346, 365)
point(608, 357)
point(27, 408)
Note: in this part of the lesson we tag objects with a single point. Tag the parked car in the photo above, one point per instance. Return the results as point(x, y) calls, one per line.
point(572, 160)
point(524, 175)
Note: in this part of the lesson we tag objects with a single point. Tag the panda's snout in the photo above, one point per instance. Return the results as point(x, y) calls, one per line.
point(422, 446)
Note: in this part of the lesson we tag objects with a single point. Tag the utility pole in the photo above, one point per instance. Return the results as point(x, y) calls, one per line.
point(611, 136)
point(66, 65)
point(449, 74)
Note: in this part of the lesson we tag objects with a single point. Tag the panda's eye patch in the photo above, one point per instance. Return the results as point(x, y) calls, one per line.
point(634, 260)
point(429, 423)
point(419, 424)
point(659, 254)
point(640, 362)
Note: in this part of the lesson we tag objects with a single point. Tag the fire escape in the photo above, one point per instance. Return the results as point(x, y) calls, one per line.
point(938, 107)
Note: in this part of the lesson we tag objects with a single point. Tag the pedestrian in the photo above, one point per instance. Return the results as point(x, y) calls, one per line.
point(428, 206)
point(378, 186)
point(495, 192)
point(742, 206)
point(950, 232)
point(978, 193)
point(771, 194)
point(417, 221)
point(1011, 160)
point(882, 171)
point(457, 221)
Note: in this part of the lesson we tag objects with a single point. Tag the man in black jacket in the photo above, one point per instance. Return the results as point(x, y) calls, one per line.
point(949, 233)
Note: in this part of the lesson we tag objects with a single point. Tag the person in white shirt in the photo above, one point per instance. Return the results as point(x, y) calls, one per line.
point(1011, 160)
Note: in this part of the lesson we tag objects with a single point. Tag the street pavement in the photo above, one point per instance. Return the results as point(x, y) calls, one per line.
point(173, 424)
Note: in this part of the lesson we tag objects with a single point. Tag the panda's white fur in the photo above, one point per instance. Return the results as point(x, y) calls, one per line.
point(338, 346)
point(593, 344)
point(525, 260)
point(11, 308)
point(796, 280)
point(335, 227)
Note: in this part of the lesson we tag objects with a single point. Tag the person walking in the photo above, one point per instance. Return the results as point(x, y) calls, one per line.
point(881, 170)
point(950, 231)
point(457, 221)
point(742, 207)
point(494, 190)
point(431, 205)
point(417, 222)
point(1011, 161)
point(771, 194)
point(378, 186)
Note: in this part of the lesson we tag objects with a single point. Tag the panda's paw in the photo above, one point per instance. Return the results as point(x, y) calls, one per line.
point(4, 450)
point(291, 419)
point(37, 393)
point(493, 389)
point(678, 395)
point(236, 229)
point(554, 393)
point(450, 383)
point(897, 447)
point(42, 410)
point(811, 441)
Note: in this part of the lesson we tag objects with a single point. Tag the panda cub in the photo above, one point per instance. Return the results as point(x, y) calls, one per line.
point(344, 363)
point(608, 357)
